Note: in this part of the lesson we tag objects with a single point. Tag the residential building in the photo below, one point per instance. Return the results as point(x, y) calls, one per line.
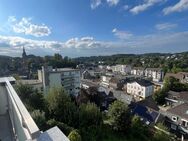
point(66, 77)
point(178, 118)
point(140, 88)
point(105, 80)
point(157, 74)
point(181, 76)
point(86, 75)
point(176, 98)
point(137, 71)
point(123, 69)
point(16, 124)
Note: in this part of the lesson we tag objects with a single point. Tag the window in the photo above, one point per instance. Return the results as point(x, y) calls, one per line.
point(184, 123)
point(174, 118)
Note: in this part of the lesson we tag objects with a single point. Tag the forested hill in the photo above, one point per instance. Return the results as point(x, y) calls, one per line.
point(169, 61)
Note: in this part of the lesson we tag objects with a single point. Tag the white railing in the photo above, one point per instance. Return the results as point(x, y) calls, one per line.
point(23, 125)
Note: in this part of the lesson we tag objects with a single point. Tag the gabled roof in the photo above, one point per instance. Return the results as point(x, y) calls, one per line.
point(149, 103)
point(182, 96)
point(180, 110)
point(143, 112)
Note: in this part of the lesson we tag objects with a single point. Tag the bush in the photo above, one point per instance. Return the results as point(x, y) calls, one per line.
point(74, 136)
point(39, 118)
point(62, 126)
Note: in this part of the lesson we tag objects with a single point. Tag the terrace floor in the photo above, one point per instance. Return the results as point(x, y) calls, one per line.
point(6, 133)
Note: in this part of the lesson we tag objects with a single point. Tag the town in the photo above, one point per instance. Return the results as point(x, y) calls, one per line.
point(153, 96)
point(93, 70)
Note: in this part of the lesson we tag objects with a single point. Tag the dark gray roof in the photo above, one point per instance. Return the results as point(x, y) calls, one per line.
point(143, 82)
point(180, 110)
point(182, 96)
point(149, 103)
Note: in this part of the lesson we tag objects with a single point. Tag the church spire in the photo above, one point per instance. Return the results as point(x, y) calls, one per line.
point(24, 53)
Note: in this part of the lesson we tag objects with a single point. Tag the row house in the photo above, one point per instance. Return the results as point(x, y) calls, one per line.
point(123, 69)
point(157, 74)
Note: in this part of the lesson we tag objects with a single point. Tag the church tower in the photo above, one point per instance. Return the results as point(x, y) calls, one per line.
point(24, 55)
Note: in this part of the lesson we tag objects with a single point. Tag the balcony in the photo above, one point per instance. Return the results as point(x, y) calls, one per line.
point(16, 124)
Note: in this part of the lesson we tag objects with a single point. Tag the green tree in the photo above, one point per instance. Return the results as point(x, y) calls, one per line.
point(120, 116)
point(39, 118)
point(89, 115)
point(60, 106)
point(90, 120)
point(159, 96)
point(138, 129)
point(24, 91)
point(74, 136)
point(162, 134)
point(66, 129)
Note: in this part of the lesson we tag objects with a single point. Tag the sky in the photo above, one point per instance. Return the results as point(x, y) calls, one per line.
point(77, 28)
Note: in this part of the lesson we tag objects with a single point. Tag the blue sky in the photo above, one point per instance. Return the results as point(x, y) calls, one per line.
point(93, 27)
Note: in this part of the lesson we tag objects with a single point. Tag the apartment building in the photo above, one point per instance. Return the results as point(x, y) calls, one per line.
point(66, 77)
point(140, 88)
point(123, 69)
point(156, 74)
point(137, 71)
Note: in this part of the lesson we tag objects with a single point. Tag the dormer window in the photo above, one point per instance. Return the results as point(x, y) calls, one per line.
point(174, 118)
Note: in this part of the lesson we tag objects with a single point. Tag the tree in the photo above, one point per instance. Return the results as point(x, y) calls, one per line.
point(60, 106)
point(138, 129)
point(74, 136)
point(66, 129)
point(37, 100)
point(120, 116)
point(32, 99)
point(39, 118)
point(159, 96)
point(89, 115)
point(161, 134)
point(90, 121)
point(24, 91)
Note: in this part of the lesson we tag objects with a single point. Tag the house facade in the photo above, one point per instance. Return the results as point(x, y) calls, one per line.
point(137, 71)
point(123, 69)
point(140, 88)
point(178, 118)
point(156, 74)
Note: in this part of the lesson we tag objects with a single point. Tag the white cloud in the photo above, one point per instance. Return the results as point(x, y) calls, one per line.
point(182, 5)
point(25, 26)
point(95, 3)
point(121, 34)
point(142, 7)
point(165, 26)
point(85, 46)
point(112, 2)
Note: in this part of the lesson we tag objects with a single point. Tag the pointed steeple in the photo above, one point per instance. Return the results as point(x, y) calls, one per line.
point(24, 53)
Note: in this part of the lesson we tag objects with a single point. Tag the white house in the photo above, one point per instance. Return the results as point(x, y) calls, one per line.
point(123, 69)
point(157, 74)
point(137, 71)
point(105, 80)
point(140, 88)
